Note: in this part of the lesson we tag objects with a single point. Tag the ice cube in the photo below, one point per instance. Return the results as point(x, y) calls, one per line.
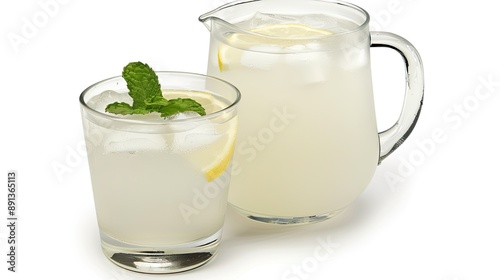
point(297, 48)
point(353, 56)
point(311, 67)
point(195, 134)
point(261, 58)
point(100, 101)
point(319, 21)
point(262, 19)
point(130, 142)
point(184, 115)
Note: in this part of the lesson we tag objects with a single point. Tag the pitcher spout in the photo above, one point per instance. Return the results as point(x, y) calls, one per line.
point(224, 14)
point(208, 18)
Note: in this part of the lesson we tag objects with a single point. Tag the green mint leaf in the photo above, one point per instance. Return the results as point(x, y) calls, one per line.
point(142, 83)
point(181, 105)
point(122, 108)
point(145, 90)
point(156, 103)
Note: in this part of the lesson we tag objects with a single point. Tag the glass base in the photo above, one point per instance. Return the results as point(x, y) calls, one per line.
point(163, 259)
point(286, 220)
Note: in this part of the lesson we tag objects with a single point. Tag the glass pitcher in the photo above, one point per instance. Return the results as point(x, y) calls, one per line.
point(308, 142)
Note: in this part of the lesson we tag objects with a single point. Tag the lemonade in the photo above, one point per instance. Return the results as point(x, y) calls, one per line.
point(160, 184)
point(305, 147)
point(185, 163)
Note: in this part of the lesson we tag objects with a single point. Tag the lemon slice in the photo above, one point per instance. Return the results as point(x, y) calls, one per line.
point(219, 166)
point(274, 34)
point(212, 156)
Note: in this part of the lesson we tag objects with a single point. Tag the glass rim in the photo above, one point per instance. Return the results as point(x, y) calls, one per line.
point(210, 15)
point(163, 121)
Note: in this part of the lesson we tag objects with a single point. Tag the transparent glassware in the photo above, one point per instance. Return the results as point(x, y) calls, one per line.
point(314, 145)
point(160, 185)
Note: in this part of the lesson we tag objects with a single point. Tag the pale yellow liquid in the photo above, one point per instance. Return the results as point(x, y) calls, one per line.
point(149, 190)
point(308, 142)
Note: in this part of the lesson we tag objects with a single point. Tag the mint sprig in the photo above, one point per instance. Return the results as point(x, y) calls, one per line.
point(145, 90)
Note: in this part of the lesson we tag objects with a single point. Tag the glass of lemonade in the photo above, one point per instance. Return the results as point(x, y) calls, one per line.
point(160, 184)
point(308, 143)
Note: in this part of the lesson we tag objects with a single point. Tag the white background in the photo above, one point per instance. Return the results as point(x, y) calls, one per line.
point(438, 221)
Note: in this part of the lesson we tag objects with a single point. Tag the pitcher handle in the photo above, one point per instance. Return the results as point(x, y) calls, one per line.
point(393, 137)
